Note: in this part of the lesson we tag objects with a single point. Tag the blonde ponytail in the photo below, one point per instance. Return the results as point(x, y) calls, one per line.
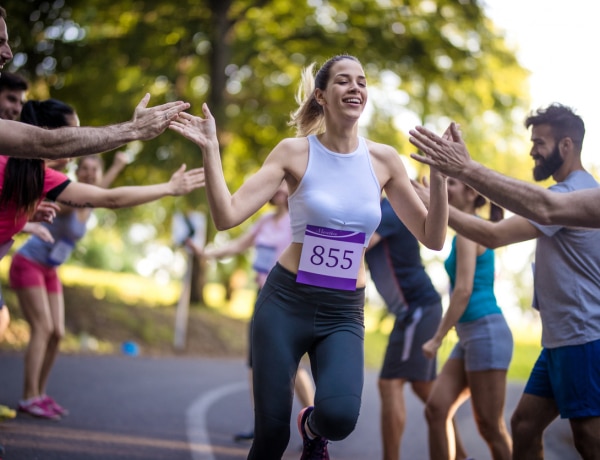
point(308, 117)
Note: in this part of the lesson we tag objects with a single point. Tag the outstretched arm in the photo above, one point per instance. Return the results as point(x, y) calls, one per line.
point(227, 209)
point(428, 226)
point(118, 164)
point(528, 200)
point(80, 195)
point(486, 233)
point(466, 256)
point(27, 141)
point(231, 248)
point(578, 208)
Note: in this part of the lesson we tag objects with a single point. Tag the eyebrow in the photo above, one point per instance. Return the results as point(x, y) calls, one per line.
point(346, 75)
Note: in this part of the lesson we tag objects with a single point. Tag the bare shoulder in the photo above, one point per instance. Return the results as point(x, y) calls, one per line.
point(293, 145)
point(384, 155)
point(386, 162)
point(381, 151)
point(290, 150)
point(291, 156)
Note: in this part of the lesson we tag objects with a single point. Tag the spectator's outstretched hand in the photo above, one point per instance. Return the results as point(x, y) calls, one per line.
point(120, 160)
point(45, 212)
point(201, 131)
point(150, 122)
point(183, 182)
point(37, 229)
point(448, 153)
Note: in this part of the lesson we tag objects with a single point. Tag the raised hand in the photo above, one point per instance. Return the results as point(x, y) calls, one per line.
point(120, 160)
point(45, 212)
point(37, 229)
point(150, 122)
point(448, 153)
point(201, 131)
point(183, 182)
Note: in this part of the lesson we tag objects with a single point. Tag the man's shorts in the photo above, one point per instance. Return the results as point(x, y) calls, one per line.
point(404, 358)
point(571, 376)
point(484, 344)
point(25, 273)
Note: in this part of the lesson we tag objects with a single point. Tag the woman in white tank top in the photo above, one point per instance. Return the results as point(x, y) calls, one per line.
point(313, 299)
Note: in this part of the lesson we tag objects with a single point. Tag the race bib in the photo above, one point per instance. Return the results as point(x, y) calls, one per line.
point(60, 252)
point(330, 258)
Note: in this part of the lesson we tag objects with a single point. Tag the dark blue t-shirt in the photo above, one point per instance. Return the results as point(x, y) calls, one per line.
point(396, 267)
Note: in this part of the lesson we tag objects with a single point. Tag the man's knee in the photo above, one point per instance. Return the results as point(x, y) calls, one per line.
point(524, 428)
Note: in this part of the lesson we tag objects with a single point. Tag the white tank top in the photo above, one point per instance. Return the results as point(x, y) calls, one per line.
point(338, 190)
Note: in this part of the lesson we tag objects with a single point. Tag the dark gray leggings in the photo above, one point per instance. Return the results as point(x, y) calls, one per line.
point(292, 319)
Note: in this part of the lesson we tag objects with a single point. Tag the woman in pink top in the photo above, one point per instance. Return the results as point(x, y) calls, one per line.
point(27, 182)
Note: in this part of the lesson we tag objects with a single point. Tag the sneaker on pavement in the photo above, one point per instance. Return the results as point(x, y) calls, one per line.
point(312, 449)
point(244, 436)
point(7, 413)
point(54, 406)
point(38, 409)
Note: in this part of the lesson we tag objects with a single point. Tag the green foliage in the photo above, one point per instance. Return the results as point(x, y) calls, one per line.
point(445, 60)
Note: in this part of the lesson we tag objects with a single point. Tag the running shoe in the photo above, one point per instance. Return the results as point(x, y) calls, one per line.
point(54, 406)
point(37, 408)
point(312, 449)
point(244, 436)
point(7, 413)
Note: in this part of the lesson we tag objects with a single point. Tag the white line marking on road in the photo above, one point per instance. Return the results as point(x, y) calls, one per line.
point(197, 430)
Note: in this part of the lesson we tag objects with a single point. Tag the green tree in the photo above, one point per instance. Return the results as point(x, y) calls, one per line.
point(427, 61)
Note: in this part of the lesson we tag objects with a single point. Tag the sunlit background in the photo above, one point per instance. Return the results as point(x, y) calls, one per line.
point(70, 49)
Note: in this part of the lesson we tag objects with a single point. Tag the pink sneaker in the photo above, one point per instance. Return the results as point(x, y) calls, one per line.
point(37, 408)
point(54, 406)
point(312, 449)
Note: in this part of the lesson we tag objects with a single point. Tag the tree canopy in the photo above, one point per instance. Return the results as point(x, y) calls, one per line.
point(427, 62)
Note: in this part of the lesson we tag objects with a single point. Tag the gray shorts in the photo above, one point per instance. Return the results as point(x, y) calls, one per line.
point(484, 344)
point(404, 358)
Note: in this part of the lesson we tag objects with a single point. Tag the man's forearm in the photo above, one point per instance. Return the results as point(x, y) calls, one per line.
point(26, 141)
point(522, 198)
point(472, 228)
point(71, 141)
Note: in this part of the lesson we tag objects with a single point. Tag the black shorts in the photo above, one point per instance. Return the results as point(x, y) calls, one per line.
point(404, 358)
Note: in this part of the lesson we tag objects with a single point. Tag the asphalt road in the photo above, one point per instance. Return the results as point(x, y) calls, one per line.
point(127, 408)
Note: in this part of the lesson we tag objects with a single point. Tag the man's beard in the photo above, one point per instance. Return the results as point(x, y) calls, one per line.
point(548, 166)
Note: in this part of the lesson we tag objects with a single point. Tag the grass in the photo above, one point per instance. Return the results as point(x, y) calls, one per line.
point(117, 305)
